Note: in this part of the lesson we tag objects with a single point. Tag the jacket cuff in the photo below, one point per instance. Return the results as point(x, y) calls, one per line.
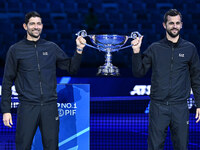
point(5, 107)
point(197, 103)
point(136, 54)
point(5, 111)
point(77, 54)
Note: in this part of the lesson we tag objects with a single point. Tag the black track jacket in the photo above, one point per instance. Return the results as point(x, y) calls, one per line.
point(175, 69)
point(32, 67)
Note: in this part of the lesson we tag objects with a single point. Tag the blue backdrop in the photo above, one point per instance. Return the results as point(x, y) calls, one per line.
point(73, 107)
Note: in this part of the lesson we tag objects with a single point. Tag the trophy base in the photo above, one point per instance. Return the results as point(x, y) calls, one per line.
point(108, 71)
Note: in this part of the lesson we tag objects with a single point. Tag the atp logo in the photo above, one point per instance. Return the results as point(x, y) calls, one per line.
point(141, 90)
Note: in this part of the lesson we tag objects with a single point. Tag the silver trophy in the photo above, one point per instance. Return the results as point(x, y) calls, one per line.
point(108, 43)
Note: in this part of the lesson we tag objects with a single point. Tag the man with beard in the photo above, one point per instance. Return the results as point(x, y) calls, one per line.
point(31, 64)
point(175, 69)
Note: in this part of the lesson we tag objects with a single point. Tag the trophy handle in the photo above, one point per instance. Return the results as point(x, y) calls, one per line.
point(83, 33)
point(133, 36)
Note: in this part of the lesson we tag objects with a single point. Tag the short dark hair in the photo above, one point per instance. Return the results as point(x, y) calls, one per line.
point(31, 14)
point(171, 12)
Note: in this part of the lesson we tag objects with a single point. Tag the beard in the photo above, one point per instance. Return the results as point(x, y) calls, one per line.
point(173, 35)
point(33, 35)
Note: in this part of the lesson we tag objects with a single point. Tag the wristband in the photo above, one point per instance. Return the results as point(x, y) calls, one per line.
point(79, 49)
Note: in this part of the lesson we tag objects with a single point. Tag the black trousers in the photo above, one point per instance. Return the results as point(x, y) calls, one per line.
point(29, 117)
point(161, 117)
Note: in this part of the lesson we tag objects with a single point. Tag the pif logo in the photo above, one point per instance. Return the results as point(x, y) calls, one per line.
point(66, 112)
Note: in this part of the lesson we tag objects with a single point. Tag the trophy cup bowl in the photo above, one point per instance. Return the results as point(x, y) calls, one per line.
point(108, 43)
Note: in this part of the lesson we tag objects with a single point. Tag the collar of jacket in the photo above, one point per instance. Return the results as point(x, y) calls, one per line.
point(171, 44)
point(33, 42)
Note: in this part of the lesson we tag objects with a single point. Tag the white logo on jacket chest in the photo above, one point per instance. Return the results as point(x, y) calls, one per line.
point(181, 55)
point(45, 53)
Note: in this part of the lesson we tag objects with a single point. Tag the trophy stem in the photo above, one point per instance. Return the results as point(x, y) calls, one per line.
point(108, 69)
point(108, 59)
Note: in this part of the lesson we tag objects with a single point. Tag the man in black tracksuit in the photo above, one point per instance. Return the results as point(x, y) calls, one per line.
point(175, 69)
point(31, 64)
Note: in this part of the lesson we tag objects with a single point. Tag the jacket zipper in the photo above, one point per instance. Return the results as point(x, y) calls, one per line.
point(39, 70)
point(171, 67)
